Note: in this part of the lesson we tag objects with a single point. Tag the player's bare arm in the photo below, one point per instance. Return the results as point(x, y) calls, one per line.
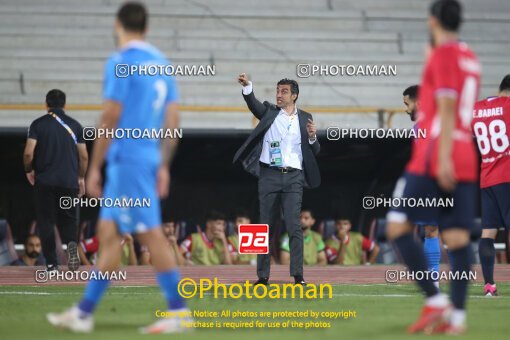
point(168, 150)
point(28, 157)
point(373, 254)
point(321, 258)
point(109, 120)
point(84, 160)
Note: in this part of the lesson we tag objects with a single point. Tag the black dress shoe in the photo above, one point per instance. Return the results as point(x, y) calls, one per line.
point(298, 280)
point(262, 281)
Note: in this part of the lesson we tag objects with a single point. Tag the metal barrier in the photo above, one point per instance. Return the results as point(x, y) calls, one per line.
point(383, 113)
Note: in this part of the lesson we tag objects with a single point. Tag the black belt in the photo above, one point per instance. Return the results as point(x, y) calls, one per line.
point(281, 169)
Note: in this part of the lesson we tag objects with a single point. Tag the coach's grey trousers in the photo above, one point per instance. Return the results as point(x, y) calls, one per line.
point(278, 191)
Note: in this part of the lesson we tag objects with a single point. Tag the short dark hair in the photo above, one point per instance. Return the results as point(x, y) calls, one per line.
point(29, 237)
point(214, 215)
point(505, 84)
point(308, 210)
point(294, 87)
point(56, 99)
point(412, 92)
point(448, 12)
point(133, 17)
point(242, 213)
point(169, 220)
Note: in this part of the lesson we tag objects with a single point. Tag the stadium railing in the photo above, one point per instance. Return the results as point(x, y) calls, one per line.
point(385, 115)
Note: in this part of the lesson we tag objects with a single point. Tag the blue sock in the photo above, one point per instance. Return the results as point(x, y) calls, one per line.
point(414, 258)
point(461, 263)
point(93, 294)
point(432, 253)
point(487, 254)
point(168, 282)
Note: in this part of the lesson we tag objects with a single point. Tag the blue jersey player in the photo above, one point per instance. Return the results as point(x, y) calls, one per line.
point(137, 169)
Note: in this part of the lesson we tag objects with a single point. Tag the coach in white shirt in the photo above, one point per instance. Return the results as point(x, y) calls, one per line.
point(281, 152)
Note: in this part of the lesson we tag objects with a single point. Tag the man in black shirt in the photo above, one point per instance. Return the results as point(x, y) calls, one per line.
point(55, 160)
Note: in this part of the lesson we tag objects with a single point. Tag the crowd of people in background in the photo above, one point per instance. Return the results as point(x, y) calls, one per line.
point(215, 244)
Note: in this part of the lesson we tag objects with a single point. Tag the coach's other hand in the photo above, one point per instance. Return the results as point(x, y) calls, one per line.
point(311, 128)
point(243, 79)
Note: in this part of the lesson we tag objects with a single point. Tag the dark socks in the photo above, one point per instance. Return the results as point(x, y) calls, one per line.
point(461, 264)
point(487, 254)
point(414, 258)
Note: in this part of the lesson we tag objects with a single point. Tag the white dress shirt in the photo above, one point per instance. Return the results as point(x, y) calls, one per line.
point(285, 129)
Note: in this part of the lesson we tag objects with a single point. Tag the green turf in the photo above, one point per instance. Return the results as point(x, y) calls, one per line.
point(383, 312)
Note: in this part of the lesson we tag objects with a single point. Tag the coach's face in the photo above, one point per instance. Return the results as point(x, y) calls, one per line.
point(284, 96)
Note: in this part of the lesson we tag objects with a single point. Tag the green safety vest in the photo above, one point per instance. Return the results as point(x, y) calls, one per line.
point(205, 253)
point(313, 244)
point(243, 258)
point(353, 249)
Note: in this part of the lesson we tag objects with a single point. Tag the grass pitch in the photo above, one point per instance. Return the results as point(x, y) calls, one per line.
point(383, 311)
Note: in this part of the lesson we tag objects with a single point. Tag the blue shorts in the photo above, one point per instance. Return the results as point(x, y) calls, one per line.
point(456, 209)
point(135, 184)
point(496, 206)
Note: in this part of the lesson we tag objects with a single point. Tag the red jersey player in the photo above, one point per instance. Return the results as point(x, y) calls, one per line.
point(442, 170)
point(491, 126)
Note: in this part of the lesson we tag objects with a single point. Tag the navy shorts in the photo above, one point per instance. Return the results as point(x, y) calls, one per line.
point(496, 206)
point(420, 200)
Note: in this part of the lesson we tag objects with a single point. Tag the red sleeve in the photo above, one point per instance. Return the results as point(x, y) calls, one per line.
point(367, 245)
point(331, 253)
point(90, 245)
point(446, 73)
point(186, 246)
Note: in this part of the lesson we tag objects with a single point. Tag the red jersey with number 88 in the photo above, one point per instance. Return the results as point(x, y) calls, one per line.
point(491, 126)
point(452, 70)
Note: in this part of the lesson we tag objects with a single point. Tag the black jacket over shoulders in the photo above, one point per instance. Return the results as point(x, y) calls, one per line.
point(249, 153)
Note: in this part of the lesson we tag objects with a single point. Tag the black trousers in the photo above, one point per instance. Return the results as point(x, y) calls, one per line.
point(282, 192)
point(49, 213)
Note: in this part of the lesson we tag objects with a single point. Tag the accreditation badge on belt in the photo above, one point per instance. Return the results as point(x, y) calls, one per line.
point(275, 154)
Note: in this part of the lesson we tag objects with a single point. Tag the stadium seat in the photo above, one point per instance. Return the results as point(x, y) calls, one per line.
point(337, 31)
point(326, 228)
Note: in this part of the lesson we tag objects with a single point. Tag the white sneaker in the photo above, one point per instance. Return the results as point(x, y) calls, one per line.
point(73, 320)
point(176, 324)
